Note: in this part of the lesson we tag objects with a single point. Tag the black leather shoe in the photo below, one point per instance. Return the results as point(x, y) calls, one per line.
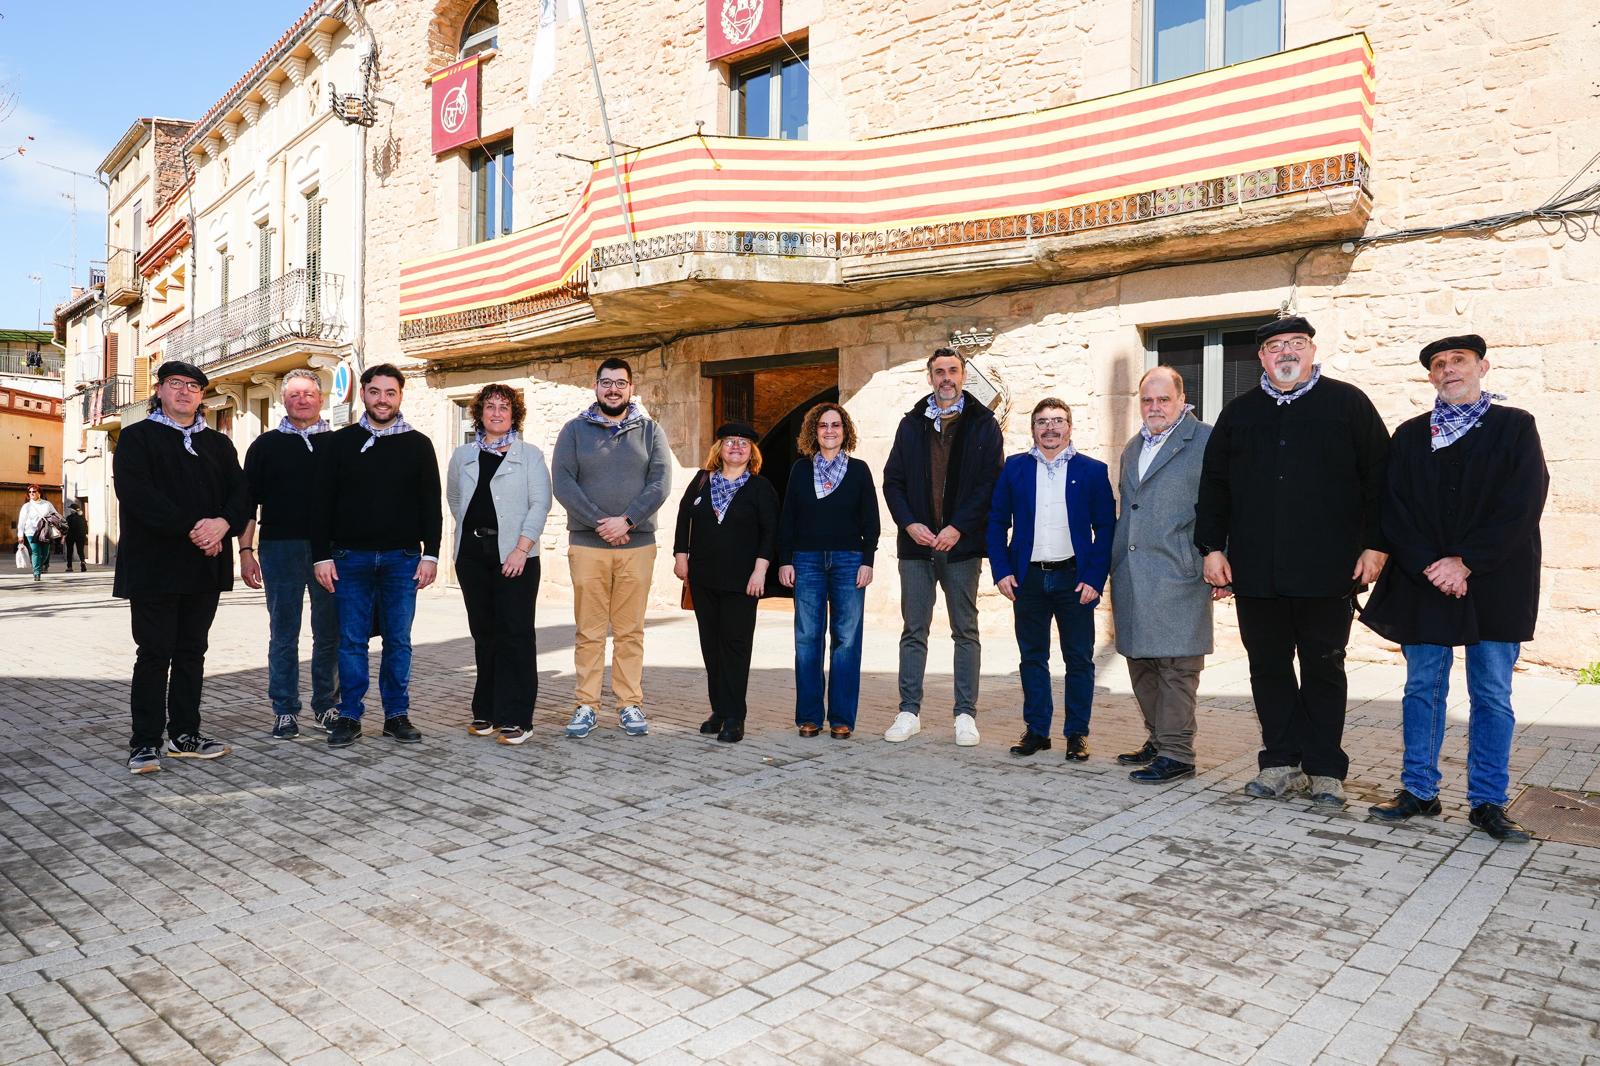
point(710, 726)
point(1140, 757)
point(1030, 743)
point(1491, 818)
point(1404, 805)
point(343, 732)
point(1162, 769)
point(1077, 748)
point(401, 729)
point(730, 733)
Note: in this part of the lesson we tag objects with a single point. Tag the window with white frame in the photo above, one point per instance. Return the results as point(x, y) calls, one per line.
point(493, 180)
point(771, 96)
point(1218, 360)
point(481, 31)
point(1184, 37)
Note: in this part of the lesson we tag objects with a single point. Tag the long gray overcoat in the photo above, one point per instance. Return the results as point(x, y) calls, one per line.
point(1160, 603)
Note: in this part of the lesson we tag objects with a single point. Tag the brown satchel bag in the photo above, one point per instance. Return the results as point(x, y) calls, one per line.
point(686, 600)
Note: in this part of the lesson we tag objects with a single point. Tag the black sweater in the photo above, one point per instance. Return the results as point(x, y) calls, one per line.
point(383, 499)
point(282, 476)
point(1290, 491)
point(722, 555)
point(1481, 498)
point(846, 520)
point(163, 491)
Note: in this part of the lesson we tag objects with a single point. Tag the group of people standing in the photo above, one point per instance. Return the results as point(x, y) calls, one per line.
point(1293, 502)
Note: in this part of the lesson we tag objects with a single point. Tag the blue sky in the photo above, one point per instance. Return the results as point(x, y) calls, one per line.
point(76, 76)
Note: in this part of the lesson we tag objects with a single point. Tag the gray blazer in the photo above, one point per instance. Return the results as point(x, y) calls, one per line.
point(521, 490)
point(1159, 600)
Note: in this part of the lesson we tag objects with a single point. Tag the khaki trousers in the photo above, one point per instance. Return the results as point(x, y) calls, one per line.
point(1165, 689)
point(610, 588)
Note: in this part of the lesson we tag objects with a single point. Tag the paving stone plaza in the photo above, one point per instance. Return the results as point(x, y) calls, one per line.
point(667, 899)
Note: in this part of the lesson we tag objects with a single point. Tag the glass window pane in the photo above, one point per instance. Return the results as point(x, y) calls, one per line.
point(755, 104)
point(1186, 355)
point(1179, 48)
point(1241, 367)
point(507, 184)
point(794, 104)
point(1250, 29)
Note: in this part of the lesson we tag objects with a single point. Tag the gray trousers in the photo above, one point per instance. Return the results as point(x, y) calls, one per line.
point(920, 580)
point(1165, 689)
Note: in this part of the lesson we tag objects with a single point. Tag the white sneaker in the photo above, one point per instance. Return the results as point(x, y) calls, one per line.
point(966, 731)
point(906, 725)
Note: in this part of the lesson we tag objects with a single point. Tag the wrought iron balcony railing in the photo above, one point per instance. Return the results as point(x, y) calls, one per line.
point(104, 401)
point(38, 364)
point(300, 305)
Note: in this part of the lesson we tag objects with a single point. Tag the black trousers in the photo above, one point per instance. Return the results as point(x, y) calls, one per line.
point(83, 555)
point(727, 622)
point(170, 632)
point(1302, 720)
point(500, 617)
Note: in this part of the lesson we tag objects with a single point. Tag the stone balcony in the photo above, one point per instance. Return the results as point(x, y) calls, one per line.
point(737, 231)
point(296, 313)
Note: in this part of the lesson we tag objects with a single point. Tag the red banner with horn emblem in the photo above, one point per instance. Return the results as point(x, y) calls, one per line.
point(455, 105)
point(735, 25)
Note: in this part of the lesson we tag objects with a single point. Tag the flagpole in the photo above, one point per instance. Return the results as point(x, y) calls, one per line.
point(605, 125)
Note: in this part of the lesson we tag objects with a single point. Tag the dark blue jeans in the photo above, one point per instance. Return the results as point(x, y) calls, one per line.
point(381, 584)
point(286, 575)
point(827, 603)
point(1490, 719)
point(1043, 596)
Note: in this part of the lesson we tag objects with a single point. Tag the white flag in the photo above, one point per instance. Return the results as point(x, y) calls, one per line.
point(544, 51)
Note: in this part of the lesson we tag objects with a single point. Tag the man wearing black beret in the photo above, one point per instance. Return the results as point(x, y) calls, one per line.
point(1465, 490)
point(1287, 518)
point(183, 499)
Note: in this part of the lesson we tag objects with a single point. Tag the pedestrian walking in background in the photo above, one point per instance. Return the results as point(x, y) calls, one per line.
point(33, 529)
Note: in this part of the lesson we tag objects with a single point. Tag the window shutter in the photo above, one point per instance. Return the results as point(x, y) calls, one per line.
point(111, 355)
point(264, 235)
point(141, 375)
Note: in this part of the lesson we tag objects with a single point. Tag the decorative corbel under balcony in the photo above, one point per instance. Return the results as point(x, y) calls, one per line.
point(321, 44)
point(251, 109)
point(295, 68)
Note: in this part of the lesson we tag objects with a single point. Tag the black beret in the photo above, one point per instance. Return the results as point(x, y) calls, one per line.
point(737, 429)
point(1292, 324)
point(1469, 342)
point(178, 368)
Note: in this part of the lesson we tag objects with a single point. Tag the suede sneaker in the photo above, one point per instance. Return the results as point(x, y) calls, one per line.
point(285, 727)
point(195, 746)
point(399, 726)
point(633, 721)
point(582, 723)
point(1327, 792)
point(144, 761)
point(1276, 782)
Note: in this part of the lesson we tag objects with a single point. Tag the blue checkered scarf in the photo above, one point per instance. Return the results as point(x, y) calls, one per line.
point(1281, 398)
point(286, 426)
point(159, 416)
point(939, 414)
point(399, 425)
point(630, 418)
point(722, 491)
point(1155, 440)
point(498, 445)
point(1450, 422)
point(1052, 465)
point(826, 475)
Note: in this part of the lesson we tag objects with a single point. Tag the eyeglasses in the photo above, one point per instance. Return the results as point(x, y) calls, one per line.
point(1297, 344)
point(614, 383)
point(1051, 423)
point(184, 385)
point(735, 442)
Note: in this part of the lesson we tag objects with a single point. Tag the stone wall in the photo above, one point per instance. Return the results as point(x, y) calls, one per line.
point(1483, 107)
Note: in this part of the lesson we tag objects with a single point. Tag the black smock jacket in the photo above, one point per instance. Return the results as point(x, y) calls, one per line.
point(722, 554)
point(1291, 491)
point(1481, 498)
point(162, 491)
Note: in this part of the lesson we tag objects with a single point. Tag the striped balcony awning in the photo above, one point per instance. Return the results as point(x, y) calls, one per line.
point(1312, 103)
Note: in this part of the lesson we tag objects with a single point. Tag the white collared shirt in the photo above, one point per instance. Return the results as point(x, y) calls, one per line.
point(1052, 540)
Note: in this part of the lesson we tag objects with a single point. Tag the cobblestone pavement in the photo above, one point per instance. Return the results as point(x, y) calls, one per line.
point(668, 899)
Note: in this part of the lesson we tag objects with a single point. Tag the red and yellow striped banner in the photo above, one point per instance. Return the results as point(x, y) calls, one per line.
point(1296, 106)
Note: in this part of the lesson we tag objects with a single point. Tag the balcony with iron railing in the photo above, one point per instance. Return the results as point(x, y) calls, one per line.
point(100, 405)
point(123, 283)
point(30, 363)
point(721, 231)
point(299, 306)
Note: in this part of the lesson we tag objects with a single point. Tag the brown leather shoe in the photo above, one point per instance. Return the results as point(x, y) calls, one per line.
point(840, 732)
point(809, 730)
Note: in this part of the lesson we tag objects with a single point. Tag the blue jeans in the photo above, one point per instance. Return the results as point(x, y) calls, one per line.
point(286, 574)
point(38, 554)
point(824, 586)
point(377, 586)
point(1043, 596)
point(1490, 719)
